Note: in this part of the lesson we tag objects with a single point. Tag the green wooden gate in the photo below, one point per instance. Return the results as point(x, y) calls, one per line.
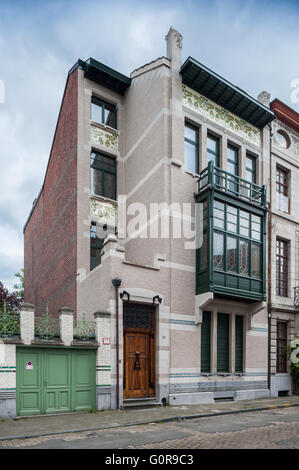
point(55, 380)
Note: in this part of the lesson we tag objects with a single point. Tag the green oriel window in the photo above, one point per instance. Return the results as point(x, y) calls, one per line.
point(206, 342)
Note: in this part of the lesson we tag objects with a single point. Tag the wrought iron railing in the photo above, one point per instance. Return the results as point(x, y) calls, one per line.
point(85, 329)
point(217, 178)
point(46, 326)
point(9, 322)
point(296, 296)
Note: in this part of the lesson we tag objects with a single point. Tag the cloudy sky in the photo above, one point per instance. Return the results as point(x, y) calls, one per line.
point(252, 43)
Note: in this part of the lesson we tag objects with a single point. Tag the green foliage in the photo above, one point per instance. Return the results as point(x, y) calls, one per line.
point(20, 287)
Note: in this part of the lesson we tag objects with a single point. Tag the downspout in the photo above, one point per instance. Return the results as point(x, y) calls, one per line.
point(116, 282)
point(270, 265)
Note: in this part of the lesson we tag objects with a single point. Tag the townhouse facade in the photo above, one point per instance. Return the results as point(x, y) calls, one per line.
point(153, 217)
point(283, 243)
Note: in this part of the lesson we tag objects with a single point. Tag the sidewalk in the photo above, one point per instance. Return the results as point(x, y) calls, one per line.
point(75, 422)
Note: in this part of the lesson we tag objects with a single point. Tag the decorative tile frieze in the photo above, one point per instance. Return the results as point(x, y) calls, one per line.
point(207, 108)
point(108, 140)
point(103, 212)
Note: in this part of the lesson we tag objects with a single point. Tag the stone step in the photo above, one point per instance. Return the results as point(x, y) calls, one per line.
point(140, 403)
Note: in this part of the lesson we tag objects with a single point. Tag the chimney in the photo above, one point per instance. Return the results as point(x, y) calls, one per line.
point(174, 47)
point(264, 98)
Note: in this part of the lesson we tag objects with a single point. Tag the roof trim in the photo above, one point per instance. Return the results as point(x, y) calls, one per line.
point(225, 94)
point(105, 76)
point(285, 114)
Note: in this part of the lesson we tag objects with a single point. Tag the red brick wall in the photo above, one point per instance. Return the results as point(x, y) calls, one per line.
point(50, 236)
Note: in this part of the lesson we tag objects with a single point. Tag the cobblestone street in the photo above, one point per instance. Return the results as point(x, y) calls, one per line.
point(273, 429)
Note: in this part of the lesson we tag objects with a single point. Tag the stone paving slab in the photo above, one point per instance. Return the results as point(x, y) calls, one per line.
point(74, 422)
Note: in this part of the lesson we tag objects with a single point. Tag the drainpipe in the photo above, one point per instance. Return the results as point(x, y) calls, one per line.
point(270, 265)
point(116, 282)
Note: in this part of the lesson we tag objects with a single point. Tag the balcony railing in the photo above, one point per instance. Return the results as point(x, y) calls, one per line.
point(217, 178)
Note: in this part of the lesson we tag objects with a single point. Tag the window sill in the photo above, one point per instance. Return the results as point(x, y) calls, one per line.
point(104, 127)
point(103, 199)
point(195, 175)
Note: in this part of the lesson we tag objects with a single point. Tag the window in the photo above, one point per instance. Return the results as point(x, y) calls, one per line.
point(96, 245)
point(282, 139)
point(206, 342)
point(237, 243)
point(232, 167)
point(281, 344)
point(251, 169)
point(282, 180)
point(239, 328)
point(213, 150)
point(103, 175)
point(281, 268)
point(102, 112)
point(191, 149)
point(222, 342)
point(98, 233)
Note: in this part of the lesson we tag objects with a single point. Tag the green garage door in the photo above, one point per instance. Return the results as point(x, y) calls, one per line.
point(55, 380)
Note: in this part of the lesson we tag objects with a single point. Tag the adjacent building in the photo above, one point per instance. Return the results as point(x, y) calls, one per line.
point(137, 166)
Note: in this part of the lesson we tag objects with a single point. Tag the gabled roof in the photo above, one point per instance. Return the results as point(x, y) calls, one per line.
point(225, 94)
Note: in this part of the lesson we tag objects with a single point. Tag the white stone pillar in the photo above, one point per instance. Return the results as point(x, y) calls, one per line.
point(103, 360)
point(27, 323)
point(66, 322)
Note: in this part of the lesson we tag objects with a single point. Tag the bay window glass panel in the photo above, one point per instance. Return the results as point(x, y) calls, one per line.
point(244, 223)
point(256, 227)
point(232, 219)
point(231, 254)
point(244, 257)
point(218, 255)
point(204, 252)
point(255, 260)
point(219, 214)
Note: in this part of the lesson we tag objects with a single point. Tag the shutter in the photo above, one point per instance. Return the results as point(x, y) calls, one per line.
point(206, 342)
point(222, 342)
point(239, 344)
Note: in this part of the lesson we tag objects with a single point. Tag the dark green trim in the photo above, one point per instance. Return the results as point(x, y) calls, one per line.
point(223, 342)
point(205, 343)
point(213, 86)
point(106, 76)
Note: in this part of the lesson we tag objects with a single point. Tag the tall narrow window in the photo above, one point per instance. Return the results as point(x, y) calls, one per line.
point(191, 149)
point(251, 169)
point(103, 175)
point(281, 268)
point(213, 150)
point(206, 342)
point(239, 328)
point(281, 344)
point(283, 201)
point(222, 342)
point(232, 167)
point(96, 245)
point(102, 112)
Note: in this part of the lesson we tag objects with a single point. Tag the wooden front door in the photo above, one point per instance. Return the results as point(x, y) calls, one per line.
point(139, 351)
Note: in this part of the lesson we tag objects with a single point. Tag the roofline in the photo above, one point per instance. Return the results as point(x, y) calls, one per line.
point(286, 114)
point(227, 83)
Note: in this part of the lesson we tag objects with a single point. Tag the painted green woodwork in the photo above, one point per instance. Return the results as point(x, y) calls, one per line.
point(55, 380)
point(9, 322)
point(222, 342)
point(206, 342)
point(239, 328)
point(231, 261)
